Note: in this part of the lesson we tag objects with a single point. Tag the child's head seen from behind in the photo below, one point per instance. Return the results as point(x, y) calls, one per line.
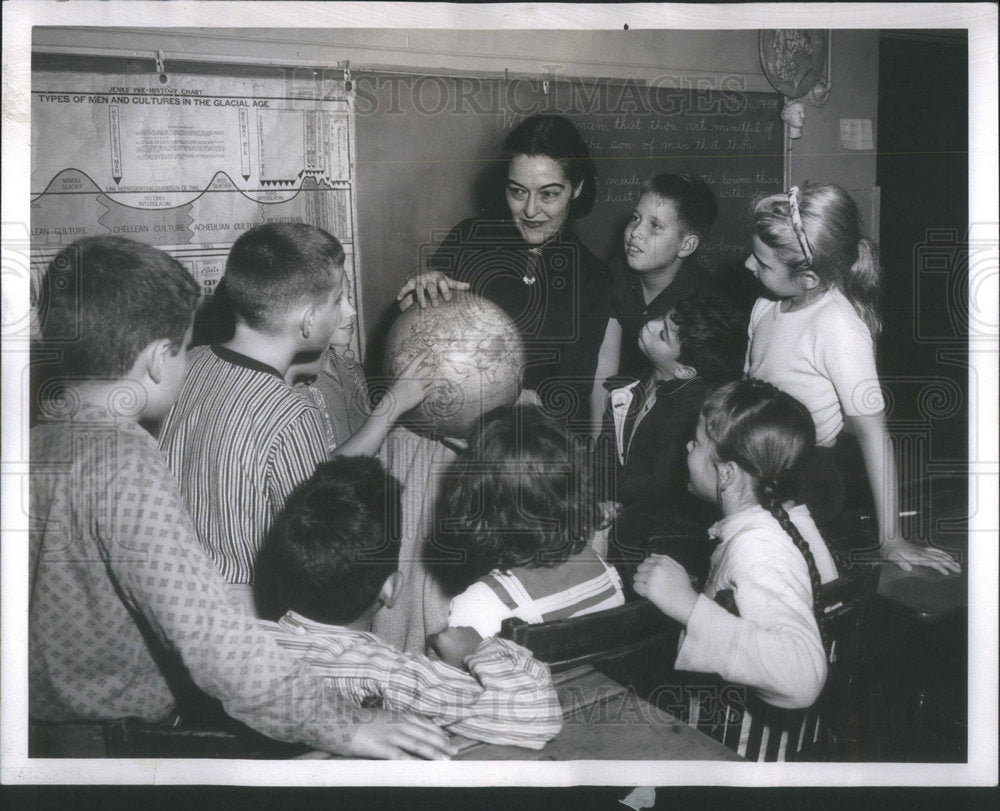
point(110, 303)
point(333, 548)
point(280, 270)
point(520, 495)
point(701, 336)
point(674, 214)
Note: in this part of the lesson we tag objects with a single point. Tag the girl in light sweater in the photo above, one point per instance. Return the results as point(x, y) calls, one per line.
point(756, 623)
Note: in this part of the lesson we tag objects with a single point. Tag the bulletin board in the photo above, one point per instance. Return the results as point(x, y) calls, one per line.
point(188, 162)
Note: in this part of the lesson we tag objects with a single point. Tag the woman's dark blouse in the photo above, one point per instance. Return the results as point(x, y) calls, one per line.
point(562, 316)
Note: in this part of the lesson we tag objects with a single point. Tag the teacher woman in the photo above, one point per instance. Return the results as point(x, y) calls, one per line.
point(534, 267)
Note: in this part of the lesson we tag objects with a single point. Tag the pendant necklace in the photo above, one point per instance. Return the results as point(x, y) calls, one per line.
point(531, 266)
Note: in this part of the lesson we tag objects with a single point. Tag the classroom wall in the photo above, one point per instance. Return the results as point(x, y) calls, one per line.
point(687, 58)
point(818, 154)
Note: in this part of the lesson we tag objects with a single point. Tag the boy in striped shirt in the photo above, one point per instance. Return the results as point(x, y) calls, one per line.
point(240, 438)
point(330, 564)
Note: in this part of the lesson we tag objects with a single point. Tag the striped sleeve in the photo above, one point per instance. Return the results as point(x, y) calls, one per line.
point(508, 699)
point(294, 456)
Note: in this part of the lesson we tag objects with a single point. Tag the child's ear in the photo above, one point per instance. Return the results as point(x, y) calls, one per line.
point(152, 359)
point(306, 321)
point(682, 372)
point(391, 589)
point(728, 473)
point(689, 245)
point(808, 279)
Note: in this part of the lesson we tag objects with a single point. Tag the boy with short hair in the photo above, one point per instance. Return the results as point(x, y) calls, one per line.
point(674, 214)
point(698, 345)
point(240, 438)
point(123, 598)
point(328, 567)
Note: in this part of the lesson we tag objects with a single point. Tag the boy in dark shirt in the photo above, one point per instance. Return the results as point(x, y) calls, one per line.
point(696, 346)
point(674, 214)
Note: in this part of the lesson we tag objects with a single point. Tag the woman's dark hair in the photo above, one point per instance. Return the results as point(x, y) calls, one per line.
point(522, 495)
point(769, 434)
point(555, 137)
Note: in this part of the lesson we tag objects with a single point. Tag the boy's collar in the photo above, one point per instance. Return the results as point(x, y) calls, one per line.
point(623, 381)
point(239, 359)
point(619, 382)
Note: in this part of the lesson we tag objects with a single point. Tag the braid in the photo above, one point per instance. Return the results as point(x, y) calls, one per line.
point(771, 502)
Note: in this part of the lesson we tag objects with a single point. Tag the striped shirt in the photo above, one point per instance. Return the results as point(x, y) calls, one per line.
point(581, 585)
point(508, 698)
point(239, 440)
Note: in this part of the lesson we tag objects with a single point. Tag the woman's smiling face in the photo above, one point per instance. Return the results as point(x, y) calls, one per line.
point(539, 196)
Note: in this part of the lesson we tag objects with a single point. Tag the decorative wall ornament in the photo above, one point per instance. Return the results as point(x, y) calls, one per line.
point(796, 62)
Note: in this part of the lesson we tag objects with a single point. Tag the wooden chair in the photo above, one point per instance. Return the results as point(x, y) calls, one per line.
point(636, 644)
point(825, 731)
point(595, 639)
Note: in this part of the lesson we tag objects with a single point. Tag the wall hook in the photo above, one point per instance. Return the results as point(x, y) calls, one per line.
point(160, 67)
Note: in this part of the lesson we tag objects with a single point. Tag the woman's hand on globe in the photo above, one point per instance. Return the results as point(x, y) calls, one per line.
point(427, 286)
point(412, 385)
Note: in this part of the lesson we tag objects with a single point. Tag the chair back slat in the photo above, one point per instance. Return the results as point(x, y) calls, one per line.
point(593, 637)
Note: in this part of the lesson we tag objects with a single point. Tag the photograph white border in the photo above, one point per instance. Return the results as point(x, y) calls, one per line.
point(980, 20)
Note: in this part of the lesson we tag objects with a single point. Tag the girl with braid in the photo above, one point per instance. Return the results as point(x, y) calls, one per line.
point(813, 336)
point(756, 623)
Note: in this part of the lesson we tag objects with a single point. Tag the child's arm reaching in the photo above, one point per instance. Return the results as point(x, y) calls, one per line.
point(772, 646)
point(407, 391)
point(876, 449)
point(508, 699)
point(667, 585)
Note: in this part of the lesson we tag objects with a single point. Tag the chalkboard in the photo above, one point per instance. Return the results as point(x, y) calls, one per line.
point(428, 147)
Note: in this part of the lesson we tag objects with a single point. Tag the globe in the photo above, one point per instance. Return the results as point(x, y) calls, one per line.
point(475, 356)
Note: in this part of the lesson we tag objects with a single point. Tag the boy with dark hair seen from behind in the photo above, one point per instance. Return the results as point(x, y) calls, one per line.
point(331, 563)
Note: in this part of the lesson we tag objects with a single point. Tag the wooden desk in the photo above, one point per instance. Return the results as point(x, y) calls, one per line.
point(917, 646)
point(604, 721)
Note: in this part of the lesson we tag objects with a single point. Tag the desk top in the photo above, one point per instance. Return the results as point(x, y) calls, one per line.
point(923, 595)
point(604, 721)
